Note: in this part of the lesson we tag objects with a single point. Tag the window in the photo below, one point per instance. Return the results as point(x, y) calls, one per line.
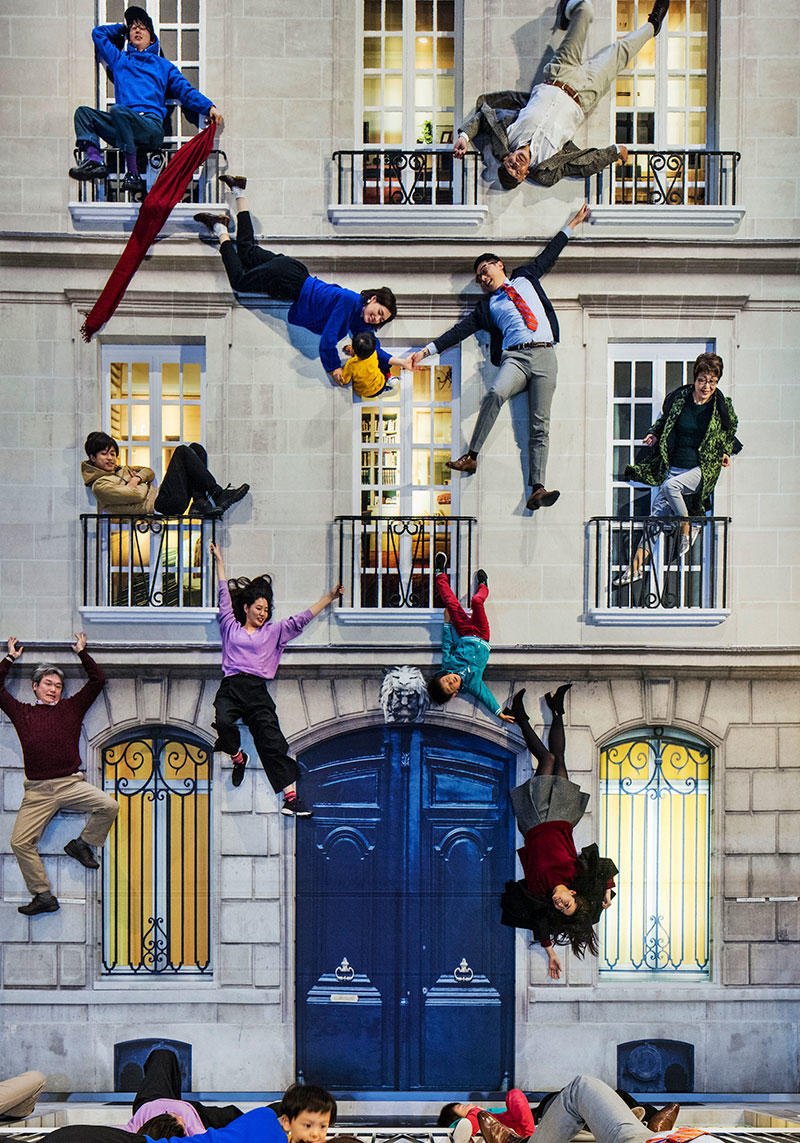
point(409, 72)
point(153, 400)
point(406, 507)
point(405, 442)
point(177, 25)
point(156, 869)
point(664, 99)
point(655, 796)
point(640, 378)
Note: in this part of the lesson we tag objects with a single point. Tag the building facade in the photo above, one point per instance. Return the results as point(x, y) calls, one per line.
point(208, 909)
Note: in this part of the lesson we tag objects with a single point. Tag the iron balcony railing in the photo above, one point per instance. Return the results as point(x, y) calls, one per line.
point(665, 578)
point(386, 562)
point(668, 178)
point(431, 177)
point(203, 188)
point(147, 561)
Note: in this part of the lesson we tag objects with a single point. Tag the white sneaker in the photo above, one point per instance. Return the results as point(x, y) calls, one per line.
point(462, 1132)
point(628, 576)
point(685, 544)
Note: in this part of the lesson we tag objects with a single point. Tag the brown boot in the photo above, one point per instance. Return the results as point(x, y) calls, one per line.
point(541, 498)
point(494, 1131)
point(207, 219)
point(664, 1120)
point(231, 181)
point(466, 464)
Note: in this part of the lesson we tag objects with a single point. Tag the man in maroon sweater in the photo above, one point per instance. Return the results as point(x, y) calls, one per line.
point(49, 733)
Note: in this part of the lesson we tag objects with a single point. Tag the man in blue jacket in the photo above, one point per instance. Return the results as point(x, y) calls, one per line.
point(523, 330)
point(143, 82)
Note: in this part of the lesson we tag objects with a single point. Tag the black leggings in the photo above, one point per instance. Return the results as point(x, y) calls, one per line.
point(162, 1080)
point(187, 477)
point(246, 697)
point(252, 270)
point(550, 758)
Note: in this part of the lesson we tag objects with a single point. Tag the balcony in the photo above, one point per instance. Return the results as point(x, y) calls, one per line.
point(151, 568)
point(406, 188)
point(659, 189)
point(386, 565)
point(689, 590)
point(102, 205)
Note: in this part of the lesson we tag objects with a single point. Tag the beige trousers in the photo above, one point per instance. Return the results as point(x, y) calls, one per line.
point(18, 1095)
point(41, 801)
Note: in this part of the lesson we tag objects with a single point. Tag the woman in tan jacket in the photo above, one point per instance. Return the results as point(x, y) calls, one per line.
point(130, 490)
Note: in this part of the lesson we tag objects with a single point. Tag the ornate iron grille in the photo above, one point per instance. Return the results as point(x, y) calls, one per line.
point(669, 178)
point(406, 178)
point(203, 188)
point(147, 561)
point(655, 788)
point(666, 579)
point(156, 871)
point(387, 561)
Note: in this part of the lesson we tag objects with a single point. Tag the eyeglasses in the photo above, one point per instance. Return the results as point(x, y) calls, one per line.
point(705, 379)
point(484, 267)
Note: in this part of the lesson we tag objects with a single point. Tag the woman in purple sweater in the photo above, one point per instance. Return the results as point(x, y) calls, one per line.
point(252, 646)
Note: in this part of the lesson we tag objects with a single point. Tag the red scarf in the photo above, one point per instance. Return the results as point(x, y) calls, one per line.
point(168, 189)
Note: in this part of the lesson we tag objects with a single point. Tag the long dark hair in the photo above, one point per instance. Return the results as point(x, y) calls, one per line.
point(247, 591)
point(576, 930)
point(384, 297)
point(162, 1127)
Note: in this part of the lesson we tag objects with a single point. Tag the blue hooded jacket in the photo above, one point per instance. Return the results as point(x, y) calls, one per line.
point(467, 655)
point(331, 311)
point(144, 81)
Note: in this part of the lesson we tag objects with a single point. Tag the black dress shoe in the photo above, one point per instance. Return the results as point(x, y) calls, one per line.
point(227, 497)
point(237, 777)
point(88, 169)
point(562, 21)
point(482, 577)
point(656, 17)
point(440, 563)
point(134, 184)
point(517, 707)
point(40, 903)
point(82, 852)
point(555, 699)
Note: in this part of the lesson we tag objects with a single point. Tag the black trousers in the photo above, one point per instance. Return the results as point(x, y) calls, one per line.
point(246, 697)
point(162, 1080)
point(252, 270)
point(187, 477)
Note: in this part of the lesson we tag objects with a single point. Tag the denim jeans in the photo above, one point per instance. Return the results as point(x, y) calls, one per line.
point(670, 498)
point(119, 126)
point(588, 1100)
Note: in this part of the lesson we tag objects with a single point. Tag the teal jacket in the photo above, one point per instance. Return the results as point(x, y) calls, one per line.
point(468, 656)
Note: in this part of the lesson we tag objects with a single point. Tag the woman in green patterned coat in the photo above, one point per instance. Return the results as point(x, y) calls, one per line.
point(691, 442)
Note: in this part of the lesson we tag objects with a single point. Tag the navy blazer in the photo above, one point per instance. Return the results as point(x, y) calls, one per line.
point(481, 316)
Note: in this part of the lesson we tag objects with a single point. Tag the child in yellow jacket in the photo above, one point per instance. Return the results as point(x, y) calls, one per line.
point(362, 367)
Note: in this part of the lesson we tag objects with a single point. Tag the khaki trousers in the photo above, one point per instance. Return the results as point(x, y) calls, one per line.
point(41, 801)
point(18, 1095)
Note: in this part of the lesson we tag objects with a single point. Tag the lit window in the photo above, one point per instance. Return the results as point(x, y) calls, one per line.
point(156, 866)
point(409, 72)
point(655, 796)
point(153, 400)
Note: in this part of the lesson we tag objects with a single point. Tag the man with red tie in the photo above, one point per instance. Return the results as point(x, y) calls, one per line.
point(523, 329)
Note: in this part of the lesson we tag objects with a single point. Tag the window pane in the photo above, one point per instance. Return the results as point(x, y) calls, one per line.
point(645, 128)
point(140, 379)
point(646, 58)
point(622, 421)
point(372, 51)
point(622, 378)
point(421, 466)
point(372, 127)
point(423, 91)
point(422, 384)
point(393, 91)
point(698, 53)
point(443, 383)
point(676, 91)
point(169, 43)
point(394, 15)
point(393, 128)
point(422, 426)
point(424, 52)
point(169, 12)
point(190, 44)
point(698, 15)
point(445, 91)
point(674, 375)
point(171, 422)
point(676, 53)
point(421, 503)
point(120, 422)
point(170, 379)
point(697, 90)
point(118, 375)
point(394, 51)
point(442, 426)
point(190, 11)
point(191, 381)
point(625, 17)
point(372, 90)
point(642, 419)
point(446, 16)
point(445, 52)
point(646, 91)
point(191, 423)
point(140, 417)
point(372, 15)
point(424, 15)
point(676, 127)
point(644, 378)
point(624, 90)
point(697, 129)
point(441, 473)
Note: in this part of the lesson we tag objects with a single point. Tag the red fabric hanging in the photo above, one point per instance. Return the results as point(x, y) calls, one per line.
point(168, 189)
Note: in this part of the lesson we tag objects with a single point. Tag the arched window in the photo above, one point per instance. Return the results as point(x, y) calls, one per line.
point(156, 869)
point(655, 787)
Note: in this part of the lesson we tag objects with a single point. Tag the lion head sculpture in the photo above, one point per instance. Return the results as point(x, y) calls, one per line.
point(403, 695)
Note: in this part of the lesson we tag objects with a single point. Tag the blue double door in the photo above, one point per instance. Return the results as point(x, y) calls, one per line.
point(405, 976)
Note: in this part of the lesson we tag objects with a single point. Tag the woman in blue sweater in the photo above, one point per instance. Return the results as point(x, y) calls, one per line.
point(321, 307)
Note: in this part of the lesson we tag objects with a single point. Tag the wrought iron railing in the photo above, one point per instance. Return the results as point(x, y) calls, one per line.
point(157, 860)
point(664, 578)
point(147, 561)
point(204, 187)
point(386, 562)
point(668, 178)
point(432, 177)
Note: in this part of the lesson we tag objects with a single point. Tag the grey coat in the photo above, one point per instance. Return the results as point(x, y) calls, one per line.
point(488, 126)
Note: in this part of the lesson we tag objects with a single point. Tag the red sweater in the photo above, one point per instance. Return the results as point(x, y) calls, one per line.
point(549, 858)
point(49, 735)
